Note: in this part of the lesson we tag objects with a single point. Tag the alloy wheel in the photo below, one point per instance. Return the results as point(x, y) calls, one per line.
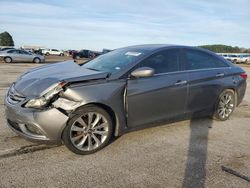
point(226, 105)
point(89, 131)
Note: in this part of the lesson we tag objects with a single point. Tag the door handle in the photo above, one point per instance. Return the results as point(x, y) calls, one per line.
point(180, 82)
point(220, 75)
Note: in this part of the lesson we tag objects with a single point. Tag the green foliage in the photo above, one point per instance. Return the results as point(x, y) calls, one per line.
point(220, 48)
point(6, 39)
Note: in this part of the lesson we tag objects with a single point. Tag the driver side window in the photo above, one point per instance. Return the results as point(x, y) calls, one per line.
point(163, 62)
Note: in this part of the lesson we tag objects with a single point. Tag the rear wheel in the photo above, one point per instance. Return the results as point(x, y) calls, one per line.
point(7, 59)
point(61, 54)
point(47, 54)
point(88, 131)
point(37, 60)
point(225, 105)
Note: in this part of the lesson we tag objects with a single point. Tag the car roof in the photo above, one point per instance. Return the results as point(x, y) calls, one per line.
point(154, 47)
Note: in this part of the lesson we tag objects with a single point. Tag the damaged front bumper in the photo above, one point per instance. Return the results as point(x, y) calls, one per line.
point(36, 125)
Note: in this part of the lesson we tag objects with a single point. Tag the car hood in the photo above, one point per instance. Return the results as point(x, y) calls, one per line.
point(37, 80)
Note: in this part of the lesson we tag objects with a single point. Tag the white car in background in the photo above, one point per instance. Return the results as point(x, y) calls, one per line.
point(245, 58)
point(232, 57)
point(53, 52)
point(237, 58)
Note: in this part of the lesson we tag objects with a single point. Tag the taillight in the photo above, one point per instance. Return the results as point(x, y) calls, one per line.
point(243, 75)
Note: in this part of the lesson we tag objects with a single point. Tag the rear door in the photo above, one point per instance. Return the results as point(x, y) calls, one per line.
point(161, 96)
point(14, 54)
point(205, 80)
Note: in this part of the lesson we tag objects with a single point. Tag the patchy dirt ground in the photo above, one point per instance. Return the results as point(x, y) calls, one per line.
point(181, 154)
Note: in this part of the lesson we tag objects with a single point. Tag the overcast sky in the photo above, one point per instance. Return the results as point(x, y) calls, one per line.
point(97, 24)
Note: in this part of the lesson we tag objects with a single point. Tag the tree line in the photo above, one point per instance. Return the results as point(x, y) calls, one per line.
point(7, 40)
point(220, 48)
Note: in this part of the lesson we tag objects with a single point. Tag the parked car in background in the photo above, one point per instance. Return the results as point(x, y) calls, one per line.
point(38, 51)
point(81, 54)
point(16, 55)
point(232, 57)
point(94, 54)
point(104, 51)
point(84, 105)
point(86, 54)
point(48, 52)
point(71, 52)
point(245, 58)
point(236, 58)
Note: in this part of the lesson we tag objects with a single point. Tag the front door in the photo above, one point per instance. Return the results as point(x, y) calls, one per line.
point(161, 96)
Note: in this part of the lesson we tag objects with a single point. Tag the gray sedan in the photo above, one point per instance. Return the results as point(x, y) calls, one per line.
point(16, 55)
point(84, 105)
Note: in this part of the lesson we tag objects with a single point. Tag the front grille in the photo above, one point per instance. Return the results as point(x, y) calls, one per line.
point(13, 96)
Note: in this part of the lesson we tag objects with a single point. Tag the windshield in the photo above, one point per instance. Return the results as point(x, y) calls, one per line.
point(114, 61)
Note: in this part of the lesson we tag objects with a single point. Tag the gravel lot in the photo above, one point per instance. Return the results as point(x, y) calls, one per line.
point(182, 154)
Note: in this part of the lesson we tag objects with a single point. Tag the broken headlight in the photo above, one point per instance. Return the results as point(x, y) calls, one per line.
point(45, 98)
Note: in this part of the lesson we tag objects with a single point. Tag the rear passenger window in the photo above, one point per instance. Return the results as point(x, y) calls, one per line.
point(163, 62)
point(200, 60)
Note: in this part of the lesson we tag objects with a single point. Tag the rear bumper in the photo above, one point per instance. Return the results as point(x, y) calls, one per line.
point(36, 125)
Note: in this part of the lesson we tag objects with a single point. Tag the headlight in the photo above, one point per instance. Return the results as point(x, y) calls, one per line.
point(45, 98)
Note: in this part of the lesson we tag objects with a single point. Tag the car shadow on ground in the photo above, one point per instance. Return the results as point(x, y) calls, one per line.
point(195, 170)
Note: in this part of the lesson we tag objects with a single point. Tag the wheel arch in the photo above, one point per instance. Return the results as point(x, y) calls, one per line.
point(235, 92)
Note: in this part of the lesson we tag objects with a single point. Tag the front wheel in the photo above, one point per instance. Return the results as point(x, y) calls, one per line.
point(225, 105)
point(88, 131)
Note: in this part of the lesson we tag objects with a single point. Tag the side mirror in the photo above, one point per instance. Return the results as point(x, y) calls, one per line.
point(143, 72)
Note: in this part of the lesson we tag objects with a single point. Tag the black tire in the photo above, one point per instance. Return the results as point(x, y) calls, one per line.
point(218, 114)
point(36, 60)
point(8, 60)
point(61, 54)
point(47, 54)
point(67, 133)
